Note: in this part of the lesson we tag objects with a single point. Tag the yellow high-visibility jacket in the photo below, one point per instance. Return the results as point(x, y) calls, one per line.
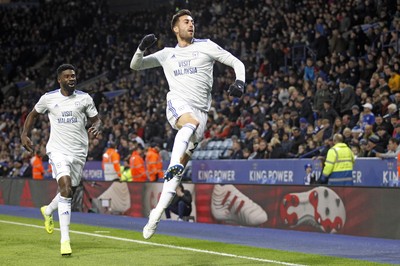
point(339, 164)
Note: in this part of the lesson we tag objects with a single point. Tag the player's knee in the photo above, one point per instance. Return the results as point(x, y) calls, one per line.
point(192, 126)
point(66, 192)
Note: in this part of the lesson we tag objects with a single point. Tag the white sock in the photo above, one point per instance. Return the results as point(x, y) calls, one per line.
point(167, 194)
point(53, 205)
point(181, 143)
point(64, 215)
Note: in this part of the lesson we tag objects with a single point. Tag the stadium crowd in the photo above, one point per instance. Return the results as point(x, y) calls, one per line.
point(313, 68)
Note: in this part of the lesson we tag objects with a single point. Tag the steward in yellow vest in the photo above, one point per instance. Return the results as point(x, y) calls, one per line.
point(338, 169)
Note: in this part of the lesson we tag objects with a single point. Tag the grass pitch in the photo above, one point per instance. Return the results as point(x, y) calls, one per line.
point(24, 241)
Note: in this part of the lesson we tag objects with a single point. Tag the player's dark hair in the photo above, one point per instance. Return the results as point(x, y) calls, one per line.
point(177, 15)
point(64, 67)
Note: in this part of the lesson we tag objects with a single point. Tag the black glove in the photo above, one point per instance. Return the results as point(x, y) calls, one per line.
point(236, 89)
point(147, 41)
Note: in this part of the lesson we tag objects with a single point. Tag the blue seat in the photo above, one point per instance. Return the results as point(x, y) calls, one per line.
point(210, 145)
point(227, 144)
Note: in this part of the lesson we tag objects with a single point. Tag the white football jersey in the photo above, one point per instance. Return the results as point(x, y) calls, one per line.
point(68, 117)
point(189, 70)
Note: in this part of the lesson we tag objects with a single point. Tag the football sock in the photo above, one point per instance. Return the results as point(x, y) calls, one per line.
point(167, 194)
point(181, 143)
point(64, 214)
point(53, 205)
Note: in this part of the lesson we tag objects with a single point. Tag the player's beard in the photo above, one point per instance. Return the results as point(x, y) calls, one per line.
point(69, 88)
point(186, 36)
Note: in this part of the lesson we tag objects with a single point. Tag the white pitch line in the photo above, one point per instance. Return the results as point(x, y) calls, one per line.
point(163, 245)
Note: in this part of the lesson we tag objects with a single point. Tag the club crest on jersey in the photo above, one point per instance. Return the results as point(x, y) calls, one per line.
point(77, 104)
point(195, 54)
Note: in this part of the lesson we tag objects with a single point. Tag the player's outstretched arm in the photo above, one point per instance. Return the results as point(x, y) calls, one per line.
point(139, 62)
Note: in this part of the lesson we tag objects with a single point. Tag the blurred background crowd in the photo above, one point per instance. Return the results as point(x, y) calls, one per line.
point(313, 68)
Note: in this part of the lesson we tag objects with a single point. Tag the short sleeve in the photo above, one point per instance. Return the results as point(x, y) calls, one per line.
point(91, 110)
point(41, 105)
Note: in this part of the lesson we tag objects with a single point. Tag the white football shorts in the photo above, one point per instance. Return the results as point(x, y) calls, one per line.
point(178, 107)
point(62, 165)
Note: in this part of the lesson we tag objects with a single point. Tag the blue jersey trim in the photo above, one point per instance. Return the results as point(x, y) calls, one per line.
point(51, 92)
point(80, 92)
point(200, 40)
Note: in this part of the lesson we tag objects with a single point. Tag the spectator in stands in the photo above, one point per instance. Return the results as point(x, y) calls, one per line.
point(224, 128)
point(329, 112)
point(236, 150)
point(368, 132)
point(248, 137)
point(394, 78)
point(309, 70)
point(383, 86)
point(383, 136)
point(95, 152)
point(275, 149)
point(393, 150)
point(296, 141)
point(21, 169)
point(363, 151)
point(396, 100)
point(263, 149)
point(266, 132)
point(356, 135)
point(396, 132)
point(374, 146)
point(355, 116)
point(322, 94)
point(301, 151)
point(337, 126)
point(368, 118)
point(326, 130)
point(310, 176)
point(392, 110)
point(181, 204)
point(347, 97)
point(383, 106)
point(257, 116)
point(304, 108)
point(134, 136)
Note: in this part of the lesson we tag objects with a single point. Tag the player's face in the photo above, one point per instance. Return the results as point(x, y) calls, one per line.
point(185, 27)
point(67, 80)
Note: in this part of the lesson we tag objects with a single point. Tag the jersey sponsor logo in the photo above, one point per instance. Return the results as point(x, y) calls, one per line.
point(185, 71)
point(67, 118)
point(185, 68)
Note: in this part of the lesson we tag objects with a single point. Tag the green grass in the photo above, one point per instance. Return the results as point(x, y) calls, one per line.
point(28, 243)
